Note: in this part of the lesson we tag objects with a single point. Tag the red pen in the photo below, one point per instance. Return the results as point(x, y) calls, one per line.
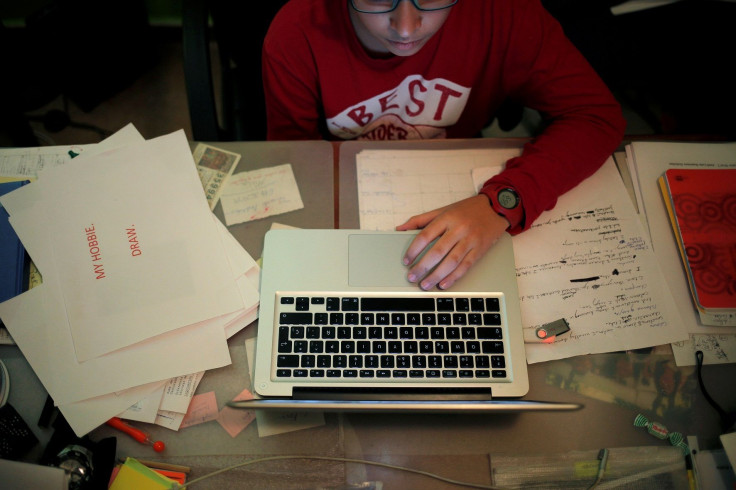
point(136, 434)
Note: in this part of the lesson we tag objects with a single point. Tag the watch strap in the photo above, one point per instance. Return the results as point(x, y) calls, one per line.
point(515, 216)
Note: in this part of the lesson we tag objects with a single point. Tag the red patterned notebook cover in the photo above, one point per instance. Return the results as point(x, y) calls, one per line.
point(704, 202)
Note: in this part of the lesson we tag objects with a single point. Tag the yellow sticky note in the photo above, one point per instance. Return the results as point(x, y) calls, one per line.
point(134, 474)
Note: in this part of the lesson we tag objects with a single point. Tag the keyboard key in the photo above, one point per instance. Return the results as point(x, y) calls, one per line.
point(333, 304)
point(371, 361)
point(287, 361)
point(418, 362)
point(295, 318)
point(300, 373)
point(347, 347)
point(316, 373)
point(344, 332)
point(307, 361)
point(492, 347)
point(413, 318)
point(489, 333)
point(332, 347)
point(383, 373)
point(466, 373)
point(302, 304)
point(498, 362)
point(498, 373)
point(400, 373)
point(283, 373)
point(334, 373)
point(316, 300)
point(287, 300)
point(336, 319)
point(477, 304)
point(312, 332)
point(328, 332)
point(416, 373)
point(352, 319)
point(491, 319)
point(360, 332)
point(387, 362)
point(301, 346)
point(349, 304)
point(492, 304)
point(383, 319)
point(429, 319)
point(367, 373)
point(321, 318)
point(445, 304)
point(324, 361)
point(397, 304)
point(462, 304)
point(398, 319)
point(367, 319)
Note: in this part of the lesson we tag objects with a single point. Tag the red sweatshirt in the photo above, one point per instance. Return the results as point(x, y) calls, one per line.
point(320, 83)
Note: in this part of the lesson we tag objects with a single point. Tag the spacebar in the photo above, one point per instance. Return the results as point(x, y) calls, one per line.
point(397, 304)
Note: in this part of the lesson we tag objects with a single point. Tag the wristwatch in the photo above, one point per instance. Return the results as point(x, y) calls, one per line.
point(506, 202)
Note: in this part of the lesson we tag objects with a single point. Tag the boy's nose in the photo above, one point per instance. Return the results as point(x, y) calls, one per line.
point(406, 19)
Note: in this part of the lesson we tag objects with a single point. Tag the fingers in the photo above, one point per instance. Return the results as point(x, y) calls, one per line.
point(457, 237)
point(418, 221)
point(445, 262)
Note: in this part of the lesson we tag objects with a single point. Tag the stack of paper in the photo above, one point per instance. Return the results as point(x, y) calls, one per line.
point(141, 283)
point(648, 161)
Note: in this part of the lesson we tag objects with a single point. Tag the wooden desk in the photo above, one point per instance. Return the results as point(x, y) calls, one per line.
point(456, 446)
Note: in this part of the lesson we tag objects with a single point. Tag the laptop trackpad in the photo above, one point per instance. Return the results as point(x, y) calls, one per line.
point(375, 259)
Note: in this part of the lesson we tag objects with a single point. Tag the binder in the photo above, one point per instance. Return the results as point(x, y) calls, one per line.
point(13, 270)
point(702, 207)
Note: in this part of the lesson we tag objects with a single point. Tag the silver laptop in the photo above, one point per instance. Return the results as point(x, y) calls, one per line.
point(341, 328)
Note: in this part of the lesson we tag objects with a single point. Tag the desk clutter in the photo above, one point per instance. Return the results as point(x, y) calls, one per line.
point(142, 284)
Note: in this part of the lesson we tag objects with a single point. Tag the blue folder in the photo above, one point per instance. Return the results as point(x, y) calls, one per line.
point(13, 271)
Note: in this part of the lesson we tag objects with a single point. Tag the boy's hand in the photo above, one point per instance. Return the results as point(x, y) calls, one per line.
point(465, 231)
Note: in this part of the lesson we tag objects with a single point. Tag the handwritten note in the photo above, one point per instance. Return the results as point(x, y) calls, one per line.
point(716, 349)
point(260, 193)
point(587, 260)
point(234, 420)
point(393, 186)
point(203, 408)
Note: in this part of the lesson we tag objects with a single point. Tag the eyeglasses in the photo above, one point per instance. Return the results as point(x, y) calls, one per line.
point(385, 6)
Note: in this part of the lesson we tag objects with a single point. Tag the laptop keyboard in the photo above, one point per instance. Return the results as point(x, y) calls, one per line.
point(411, 337)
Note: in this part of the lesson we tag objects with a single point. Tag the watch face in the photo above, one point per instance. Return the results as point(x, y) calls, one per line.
point(508, 198)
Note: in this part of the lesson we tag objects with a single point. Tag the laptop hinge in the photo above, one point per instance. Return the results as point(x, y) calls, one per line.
point(388, 393)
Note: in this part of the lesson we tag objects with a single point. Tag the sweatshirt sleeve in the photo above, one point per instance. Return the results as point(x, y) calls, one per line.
point(584, 121)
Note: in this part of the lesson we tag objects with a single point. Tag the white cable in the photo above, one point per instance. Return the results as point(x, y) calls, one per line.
point(342, 460)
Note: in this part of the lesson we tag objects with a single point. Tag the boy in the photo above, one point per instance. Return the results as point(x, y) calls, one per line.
point(399, 69)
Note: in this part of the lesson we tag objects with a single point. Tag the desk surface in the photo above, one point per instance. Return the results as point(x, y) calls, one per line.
point(456, 446)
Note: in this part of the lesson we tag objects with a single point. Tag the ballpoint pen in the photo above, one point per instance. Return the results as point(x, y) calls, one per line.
point(136, 434)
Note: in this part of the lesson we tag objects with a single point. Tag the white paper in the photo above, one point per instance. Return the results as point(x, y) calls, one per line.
point(145, 409)
point(396, 185)
point(86, 415)
point(716, 349)
point(596, 270)
point(603, 316)
point(135, 248)
point(27, 162)
point(257, 194)
point(179, 392)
